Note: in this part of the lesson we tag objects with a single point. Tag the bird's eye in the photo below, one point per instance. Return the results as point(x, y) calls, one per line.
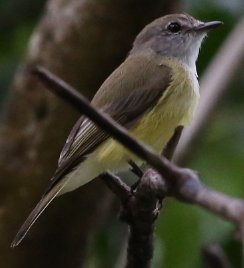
point(174, 27)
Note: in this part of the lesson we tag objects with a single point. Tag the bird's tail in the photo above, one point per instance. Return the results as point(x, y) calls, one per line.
point(37, 211)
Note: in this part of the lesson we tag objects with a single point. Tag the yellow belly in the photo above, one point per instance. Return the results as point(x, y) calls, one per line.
point(176, 107)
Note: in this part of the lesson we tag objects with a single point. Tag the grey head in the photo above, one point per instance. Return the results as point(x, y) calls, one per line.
point(176, 35)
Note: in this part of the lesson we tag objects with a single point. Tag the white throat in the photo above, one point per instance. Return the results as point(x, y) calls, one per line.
point(191, 55)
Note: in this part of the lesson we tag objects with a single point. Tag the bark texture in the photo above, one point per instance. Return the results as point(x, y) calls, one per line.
point(81, 41)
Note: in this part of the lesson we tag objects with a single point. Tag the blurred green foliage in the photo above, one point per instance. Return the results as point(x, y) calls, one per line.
point(182, 229)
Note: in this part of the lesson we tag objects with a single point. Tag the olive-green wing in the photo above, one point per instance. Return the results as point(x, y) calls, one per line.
point(86, 136)
point(125, 96)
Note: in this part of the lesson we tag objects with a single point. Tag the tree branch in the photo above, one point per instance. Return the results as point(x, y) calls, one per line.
point(140, 212)
point(139, 207)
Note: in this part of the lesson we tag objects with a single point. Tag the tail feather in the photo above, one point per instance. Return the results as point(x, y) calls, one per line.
point(37, 211)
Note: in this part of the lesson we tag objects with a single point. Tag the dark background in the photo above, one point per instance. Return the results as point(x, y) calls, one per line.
point(181, 229)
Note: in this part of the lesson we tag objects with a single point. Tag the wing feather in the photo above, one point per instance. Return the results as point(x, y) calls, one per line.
point(143, 90)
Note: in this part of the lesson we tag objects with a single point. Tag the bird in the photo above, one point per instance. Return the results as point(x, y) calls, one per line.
point(151, 93)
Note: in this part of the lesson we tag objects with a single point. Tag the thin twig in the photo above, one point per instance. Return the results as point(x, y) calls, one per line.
point(135, 169)
point(116, 185)
point(214, 257)
point(170, 147)
point(190, 189)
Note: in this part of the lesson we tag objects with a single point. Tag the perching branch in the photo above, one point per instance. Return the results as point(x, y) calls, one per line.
point(183, 184)
point(140, 209)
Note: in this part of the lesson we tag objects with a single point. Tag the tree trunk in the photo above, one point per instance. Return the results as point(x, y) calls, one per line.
point(81, 41)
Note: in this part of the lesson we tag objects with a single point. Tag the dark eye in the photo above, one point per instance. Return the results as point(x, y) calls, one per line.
point(174, 27)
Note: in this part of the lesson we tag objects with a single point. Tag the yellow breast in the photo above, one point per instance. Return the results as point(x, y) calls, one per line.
point(176, 107)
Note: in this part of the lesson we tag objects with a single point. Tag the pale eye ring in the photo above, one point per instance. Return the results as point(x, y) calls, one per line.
point(174, 27)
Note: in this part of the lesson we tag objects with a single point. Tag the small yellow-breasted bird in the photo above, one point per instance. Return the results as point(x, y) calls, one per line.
point(151, 93)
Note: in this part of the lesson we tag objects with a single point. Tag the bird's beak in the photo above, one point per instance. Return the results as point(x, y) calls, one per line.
point(206, 26)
